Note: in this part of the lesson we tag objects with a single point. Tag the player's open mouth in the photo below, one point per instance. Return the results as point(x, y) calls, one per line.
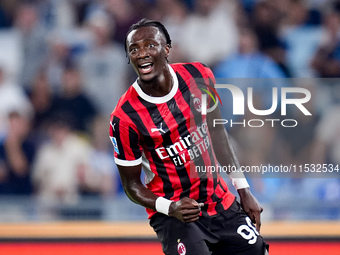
point(146, 68)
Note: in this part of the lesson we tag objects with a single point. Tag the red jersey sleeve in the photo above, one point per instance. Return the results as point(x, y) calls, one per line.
point(126, 142)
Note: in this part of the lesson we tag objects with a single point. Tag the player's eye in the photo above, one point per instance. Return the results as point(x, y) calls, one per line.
point(152, 45)
point(133, 50)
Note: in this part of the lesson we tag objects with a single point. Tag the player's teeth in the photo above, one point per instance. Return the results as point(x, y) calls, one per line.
point(146, 67)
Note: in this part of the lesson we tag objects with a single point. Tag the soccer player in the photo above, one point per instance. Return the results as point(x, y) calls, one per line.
point(157, 126)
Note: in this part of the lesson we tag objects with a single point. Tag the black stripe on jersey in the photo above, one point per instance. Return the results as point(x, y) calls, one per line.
point(184, 89)
point(219, 207)
point(157, 118)
point(183, 132)
point(116, 134)
point(193, 70)
point(195, 73)
point(186, 93)
point(134, 116)
point(133, 136)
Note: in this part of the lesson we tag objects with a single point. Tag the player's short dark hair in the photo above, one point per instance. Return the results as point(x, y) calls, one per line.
point(148, 23)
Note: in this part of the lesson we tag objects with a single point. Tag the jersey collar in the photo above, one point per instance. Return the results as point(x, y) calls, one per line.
point(159, 100)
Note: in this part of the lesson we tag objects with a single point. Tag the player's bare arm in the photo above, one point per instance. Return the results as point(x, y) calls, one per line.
point(226, 156)
point(186, 209)
point(134, 188)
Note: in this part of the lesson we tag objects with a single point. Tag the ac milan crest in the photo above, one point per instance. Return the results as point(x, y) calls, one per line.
point(181, 248)
point(197, 104)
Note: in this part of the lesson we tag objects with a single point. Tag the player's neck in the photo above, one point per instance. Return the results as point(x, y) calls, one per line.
point(159, 86)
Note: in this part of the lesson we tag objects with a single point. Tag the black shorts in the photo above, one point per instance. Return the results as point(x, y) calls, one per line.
point(230, 232)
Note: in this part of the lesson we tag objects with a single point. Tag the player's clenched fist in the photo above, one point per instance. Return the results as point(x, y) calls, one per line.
point(186, 209)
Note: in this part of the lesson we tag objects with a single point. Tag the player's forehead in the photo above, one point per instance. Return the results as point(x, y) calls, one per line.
point(145, 33)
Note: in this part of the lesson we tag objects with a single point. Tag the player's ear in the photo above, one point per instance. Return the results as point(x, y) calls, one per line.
point(167, 50)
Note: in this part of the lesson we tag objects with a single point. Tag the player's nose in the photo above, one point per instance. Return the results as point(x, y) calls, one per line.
point(142, 53)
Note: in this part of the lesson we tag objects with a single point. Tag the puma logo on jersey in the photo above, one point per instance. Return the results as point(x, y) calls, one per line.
point(158, 129)
point(113, 126)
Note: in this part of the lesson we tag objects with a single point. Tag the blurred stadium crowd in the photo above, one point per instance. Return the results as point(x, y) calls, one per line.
point(63, 68)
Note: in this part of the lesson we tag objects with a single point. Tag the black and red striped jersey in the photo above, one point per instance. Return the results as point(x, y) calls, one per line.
point(169, 136)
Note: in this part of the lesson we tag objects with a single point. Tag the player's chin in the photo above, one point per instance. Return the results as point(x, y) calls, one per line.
point(147, 77)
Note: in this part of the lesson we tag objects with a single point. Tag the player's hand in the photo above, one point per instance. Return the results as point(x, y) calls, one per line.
point(186, 209)
point(251, 206)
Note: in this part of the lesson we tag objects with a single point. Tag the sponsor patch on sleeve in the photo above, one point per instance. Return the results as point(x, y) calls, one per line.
point(115, 146)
